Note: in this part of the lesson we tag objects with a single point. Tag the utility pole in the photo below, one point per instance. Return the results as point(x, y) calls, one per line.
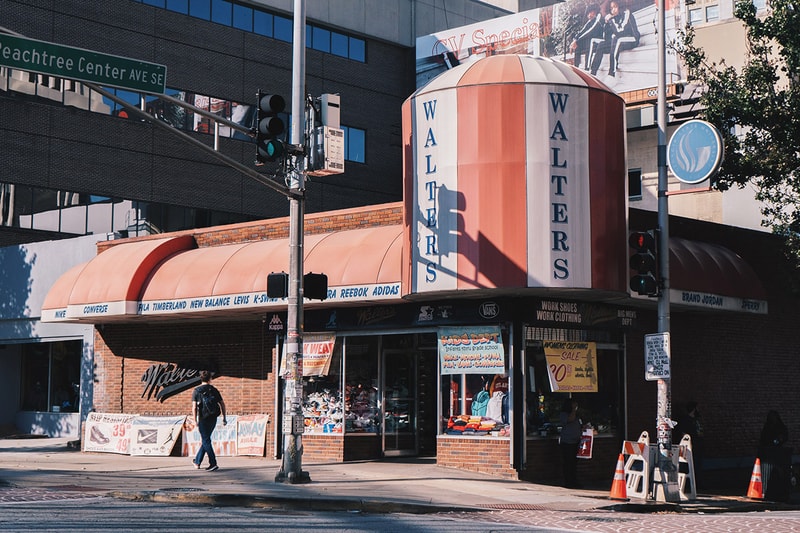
point(292, 467)
point(666, 474)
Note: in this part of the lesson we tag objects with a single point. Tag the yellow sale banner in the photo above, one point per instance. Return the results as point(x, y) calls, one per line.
point(572, 366)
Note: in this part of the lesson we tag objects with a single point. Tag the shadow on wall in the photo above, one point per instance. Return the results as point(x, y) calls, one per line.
point(49, 424)
point(15, 289)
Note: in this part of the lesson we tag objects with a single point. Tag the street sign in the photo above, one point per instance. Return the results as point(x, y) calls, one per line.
point(82, 65)
point(656, 356)
point(695, 151)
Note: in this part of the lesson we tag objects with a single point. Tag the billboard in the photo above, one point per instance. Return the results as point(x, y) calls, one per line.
point(614, 40)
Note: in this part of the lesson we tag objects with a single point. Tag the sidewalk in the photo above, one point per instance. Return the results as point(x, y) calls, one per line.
point(414, 485)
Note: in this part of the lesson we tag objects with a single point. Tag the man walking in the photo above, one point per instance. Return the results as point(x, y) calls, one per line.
point(207, 405)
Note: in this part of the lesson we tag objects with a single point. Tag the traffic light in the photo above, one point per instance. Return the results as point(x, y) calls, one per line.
point(644, 262)
point(278, 285)
point(315, 286)
point(268, 127)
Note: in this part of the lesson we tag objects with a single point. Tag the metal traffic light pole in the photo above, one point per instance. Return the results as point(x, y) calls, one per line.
point(666, 474)
point(292, 467)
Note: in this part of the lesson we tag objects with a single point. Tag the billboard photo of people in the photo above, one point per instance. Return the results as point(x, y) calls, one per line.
point(614, 40)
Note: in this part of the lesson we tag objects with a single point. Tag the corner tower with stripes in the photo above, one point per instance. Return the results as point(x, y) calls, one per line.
point(515, 178)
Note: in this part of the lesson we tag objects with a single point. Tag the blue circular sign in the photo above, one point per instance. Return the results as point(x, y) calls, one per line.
point(695, 151)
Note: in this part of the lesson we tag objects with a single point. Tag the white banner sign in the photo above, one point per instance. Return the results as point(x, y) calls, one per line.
point(107, 432)
point(155, 435)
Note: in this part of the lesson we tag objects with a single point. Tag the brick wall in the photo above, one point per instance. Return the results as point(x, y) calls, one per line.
point(360, 217)
point(323, 448)
point(240, 354)
point(544, 462)
point(476, 454)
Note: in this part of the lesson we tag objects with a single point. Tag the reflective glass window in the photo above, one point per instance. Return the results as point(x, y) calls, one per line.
point(222, 12)
point(262, 23)
point(200, 9)
point(358, 49)
point(339, 44)
point(179, 6)
point(321, 40)
point(283, 29)
point(242, 17)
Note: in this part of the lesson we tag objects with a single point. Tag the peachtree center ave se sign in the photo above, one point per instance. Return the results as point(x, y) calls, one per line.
point(82, 65)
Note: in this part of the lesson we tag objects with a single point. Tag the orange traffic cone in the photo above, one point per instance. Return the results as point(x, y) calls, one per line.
point(618, 490)
point(756, 489)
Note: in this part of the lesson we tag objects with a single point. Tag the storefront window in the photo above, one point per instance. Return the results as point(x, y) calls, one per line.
point(323, 410)
point(596, 368)
point(476, 401)
point(51, 376)
point(362, 414)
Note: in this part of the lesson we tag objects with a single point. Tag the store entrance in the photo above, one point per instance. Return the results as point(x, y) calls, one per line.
point(409, 387)
point(399, 405)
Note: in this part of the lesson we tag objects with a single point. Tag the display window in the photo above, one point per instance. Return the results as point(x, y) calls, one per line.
point(563, 364)
point(51, 377)
point(362, 410)
point(323, 405)
point(474, 382)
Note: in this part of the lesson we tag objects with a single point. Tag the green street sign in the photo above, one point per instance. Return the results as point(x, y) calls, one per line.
point(82, 65)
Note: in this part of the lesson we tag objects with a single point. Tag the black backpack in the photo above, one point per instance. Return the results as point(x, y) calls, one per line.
point(208, 403)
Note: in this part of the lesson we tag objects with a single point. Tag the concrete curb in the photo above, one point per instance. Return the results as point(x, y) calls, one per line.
point(293, 503)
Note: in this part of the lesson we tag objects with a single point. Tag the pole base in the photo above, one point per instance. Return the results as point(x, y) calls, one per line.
point(293, 478)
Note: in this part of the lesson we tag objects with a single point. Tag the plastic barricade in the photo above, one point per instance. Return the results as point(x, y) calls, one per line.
point(686, 477)
point(638, 466)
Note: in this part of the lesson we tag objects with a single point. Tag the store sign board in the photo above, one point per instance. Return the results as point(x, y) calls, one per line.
point(656, 356)
point(571, 366)
point(82, 65)
point(471, 350)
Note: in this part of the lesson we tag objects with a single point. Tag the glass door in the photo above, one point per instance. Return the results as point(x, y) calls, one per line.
point(399, 402)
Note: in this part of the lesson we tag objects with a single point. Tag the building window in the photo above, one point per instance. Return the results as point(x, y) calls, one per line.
point(222, 12)
point(354, 141)
point(51, 376)
point(635, 184)
point(712, 13)
point(200, 9)
point(695, 16)
point(601, 409)
point(254, 20)
point(283, 29)
point(262, 23)
point(179, 6)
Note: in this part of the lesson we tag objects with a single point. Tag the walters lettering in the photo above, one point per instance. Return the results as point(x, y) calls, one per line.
point(428, 203)
point(559, 179)
point(166, 379)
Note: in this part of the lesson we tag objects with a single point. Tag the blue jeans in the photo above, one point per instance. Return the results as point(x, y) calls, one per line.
point(206, 428)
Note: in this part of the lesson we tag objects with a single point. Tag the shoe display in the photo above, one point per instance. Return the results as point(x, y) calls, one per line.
point(212, 468)
point(95, 435)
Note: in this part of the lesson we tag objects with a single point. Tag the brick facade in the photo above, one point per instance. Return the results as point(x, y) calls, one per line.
point(487, 455)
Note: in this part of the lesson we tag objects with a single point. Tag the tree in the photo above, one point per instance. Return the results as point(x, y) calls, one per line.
point(756, 110)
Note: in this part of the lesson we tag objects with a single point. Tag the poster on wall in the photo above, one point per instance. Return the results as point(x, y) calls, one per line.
point(583, 33)
point(317, 354)
point(155, 435)
point(108, 432)
point(251, 434)
point(471, 350)
point(571, 366)
point(223, 438)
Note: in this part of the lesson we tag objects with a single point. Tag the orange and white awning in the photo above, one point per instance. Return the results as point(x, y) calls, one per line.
point(170, 278)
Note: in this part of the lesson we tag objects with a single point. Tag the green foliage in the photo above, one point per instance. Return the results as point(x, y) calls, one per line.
point(755, 109)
